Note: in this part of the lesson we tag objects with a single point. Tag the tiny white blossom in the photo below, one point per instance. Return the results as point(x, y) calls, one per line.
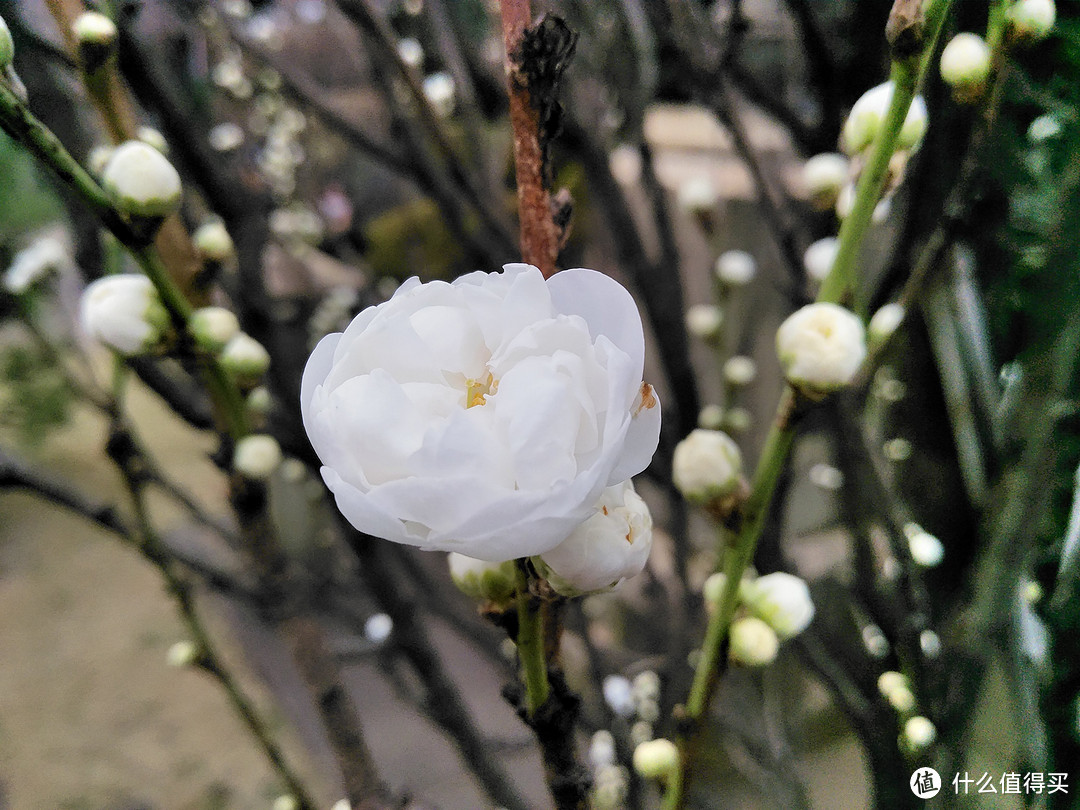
point(782, 601)
point(213, 327)
point(257, 456)
point(965, 61)
point(141, 180)
point(826, 477)
point(821, 347)
point(656, 759)
point(610, 546)
point(480, 579)
point(735, 268)
point(43, 257)
point(868, 114)
point(124, 312)
point(819, 257)
point(704, 320)
point(919, 732)
point(884, 322)
point(285, 802)
point(707, 465)
point(740, 370)
point(823, 176)
point(752, 642)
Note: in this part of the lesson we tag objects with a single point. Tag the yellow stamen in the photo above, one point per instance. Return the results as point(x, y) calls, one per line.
point(477, 391)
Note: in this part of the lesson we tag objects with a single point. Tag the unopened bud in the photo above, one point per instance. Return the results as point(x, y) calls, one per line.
point(440, 92)
point(965, 66)
point(819, 258)
point(711, 417)
point(698, 195)
point(96, 36)
point(926, 550)
point(151, 137)
point(7, 46)
point(704, 321)
point(213, 327)
point(213, 242)
point(257, 456)
point(656, 759)
point(141, 181)
point(125, 313)
point(821, 348)
point(740, 370)
point(823, 176)
point(752, 642)
point(919, 733)
point(735, 268)
point(182, 654)
point(245, 358)
point(707, 465)
point(494, 582)
point(884, 322)
point(868, 114)
point(1032, 20)
point(737, 420)
point(781, 600)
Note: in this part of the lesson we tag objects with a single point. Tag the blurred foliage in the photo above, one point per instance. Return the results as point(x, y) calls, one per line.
point(34, 398)
point(27, 201)
point(412, 239)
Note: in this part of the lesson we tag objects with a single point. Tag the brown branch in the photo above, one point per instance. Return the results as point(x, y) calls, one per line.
point(539, 237)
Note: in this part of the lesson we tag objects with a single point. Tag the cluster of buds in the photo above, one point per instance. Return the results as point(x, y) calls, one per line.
point(770, 609)
point(917, 732)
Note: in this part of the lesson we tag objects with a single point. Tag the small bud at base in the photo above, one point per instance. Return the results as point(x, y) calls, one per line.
point(245, 358)
point(965, 61)
point(656, 759)
point(257, 456)
point(707, 465)
point(752, 642)
point(494, 582)
point(213, 327)
point(141, 181)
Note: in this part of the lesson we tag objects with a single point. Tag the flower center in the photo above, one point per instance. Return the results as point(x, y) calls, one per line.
point(477, 391)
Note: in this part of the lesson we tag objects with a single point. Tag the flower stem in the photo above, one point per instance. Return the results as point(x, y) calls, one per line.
point(530, 644)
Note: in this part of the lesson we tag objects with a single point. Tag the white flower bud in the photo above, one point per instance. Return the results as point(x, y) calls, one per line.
point(919, 733)
point(826, 477)
point(1044, 128)
point(1032, 20)
point(440, 92)
point(926, 550)
point(618, 694)
point(488, 581)
point(151, 137)
point(823, 176)
point(902, 699)
point(7, 46)
point(711, 417)
point(257, 456)
point(781, 600)
point(819, 258)
point(713, 589)
point(182, 654)
point(98, 159)
point(245, 358)
point(378, 628)
point(213, 327)
point(890, 681)
point(601, 749)
point(607, 548)
point(259, 401)
point(868, 114)
point(752, 642)
point(93, 27)
point(285, 802)
point(226, 137)
point(124, 312)
point(411, 52)
point(697, 195)
point(737, 420)
point(884, 322)
point(213, 242)
point(965, 63)
point(707, 465)
point(740, 370)
point(342, 804)
point(656, 759)
point(736, 268)
point(704, 321)
point(45, 256)
point(821, 348)
point(141, 181)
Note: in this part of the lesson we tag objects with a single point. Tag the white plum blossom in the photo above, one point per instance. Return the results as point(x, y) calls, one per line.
point(707, 464)
point(484, 416)
point(782, 601)
point(123, 312)
point(868, 114)
point(609, 547)
point(821, 347)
